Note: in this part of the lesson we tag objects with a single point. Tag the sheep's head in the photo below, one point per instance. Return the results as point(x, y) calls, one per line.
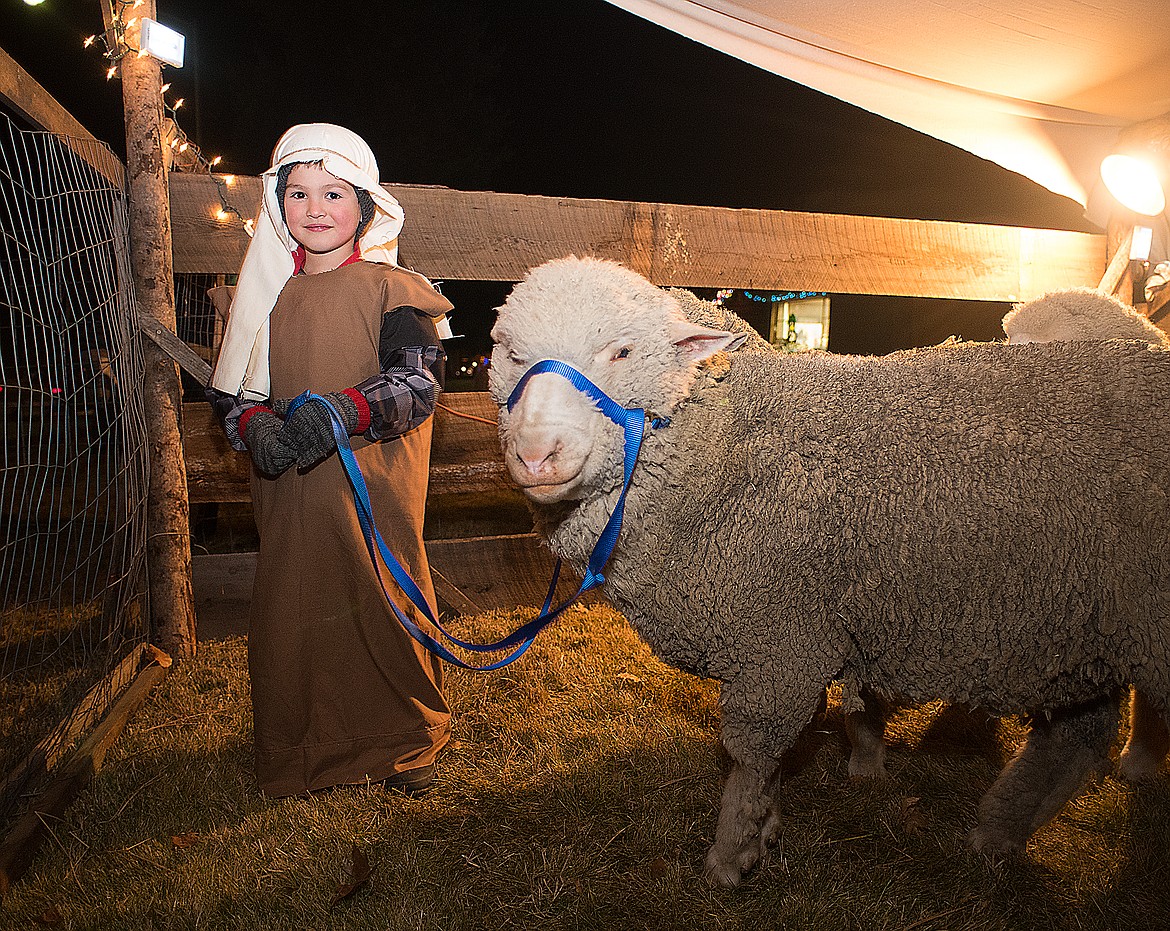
point(628, 337)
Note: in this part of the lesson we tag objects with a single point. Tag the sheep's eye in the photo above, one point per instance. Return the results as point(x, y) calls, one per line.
point(623, 353)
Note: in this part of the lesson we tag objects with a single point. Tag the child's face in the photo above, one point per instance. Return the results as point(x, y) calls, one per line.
point(322, 211)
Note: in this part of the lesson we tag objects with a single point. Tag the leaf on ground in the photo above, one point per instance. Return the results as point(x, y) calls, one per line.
point(911, 817)
point(50, 917)
point(185, 840)
point(360, 873)
point(159, 656)
point(626, 680)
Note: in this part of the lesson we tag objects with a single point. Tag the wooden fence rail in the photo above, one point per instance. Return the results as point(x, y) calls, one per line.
point(484, 236)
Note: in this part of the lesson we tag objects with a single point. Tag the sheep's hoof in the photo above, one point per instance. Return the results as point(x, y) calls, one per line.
point(1136, 764)
point(994, 844)
point(869, 767)
point(723, 875)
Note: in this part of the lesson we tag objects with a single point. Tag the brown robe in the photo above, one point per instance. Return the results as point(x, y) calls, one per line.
point(341, 694)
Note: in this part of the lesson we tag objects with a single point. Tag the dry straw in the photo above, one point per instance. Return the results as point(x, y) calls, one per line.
point(580, 792)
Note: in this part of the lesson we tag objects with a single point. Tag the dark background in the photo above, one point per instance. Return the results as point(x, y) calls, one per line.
point(576, 99)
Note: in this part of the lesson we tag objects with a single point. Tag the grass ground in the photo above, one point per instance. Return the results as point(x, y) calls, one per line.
point(580, 792)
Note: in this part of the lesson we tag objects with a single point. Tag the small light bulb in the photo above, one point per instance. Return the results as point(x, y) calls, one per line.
point(165, 88)
point(113, 70)
point(221, 214)
point(229, 180)
point(184, 147)
point(178, 103)
point(215, 161)
point(250, 227)
point(90, 41)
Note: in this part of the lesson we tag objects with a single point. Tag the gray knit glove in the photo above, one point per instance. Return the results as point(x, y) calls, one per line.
point(270, 451)
point(309, 429)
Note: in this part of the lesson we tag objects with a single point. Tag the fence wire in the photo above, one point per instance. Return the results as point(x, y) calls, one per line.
point(73, 479)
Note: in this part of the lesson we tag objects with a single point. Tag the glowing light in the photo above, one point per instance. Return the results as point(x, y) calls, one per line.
point(229, 180)
point(250, 227)
point(178, 103)
point(90, 41)
point(165, 88)
point(162, 42)
point(113, 70)
point(221, 214)
point(1134, 181)
point(215, 161)
point(34, 2)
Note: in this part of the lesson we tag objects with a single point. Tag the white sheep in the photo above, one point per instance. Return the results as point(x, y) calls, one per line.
point(1085, 313)
point(1073, 314)
point(981, 524)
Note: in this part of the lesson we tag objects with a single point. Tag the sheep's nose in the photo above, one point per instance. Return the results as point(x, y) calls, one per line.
point(538, 459)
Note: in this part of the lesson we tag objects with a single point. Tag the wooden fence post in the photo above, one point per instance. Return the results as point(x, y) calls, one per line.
point(172, 607)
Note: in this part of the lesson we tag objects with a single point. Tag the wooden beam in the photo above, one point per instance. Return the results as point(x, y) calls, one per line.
point(20, 91)
point(465, 452)
point(179, 352)
point(20, 846)
point(483, 236)
point(45, 755)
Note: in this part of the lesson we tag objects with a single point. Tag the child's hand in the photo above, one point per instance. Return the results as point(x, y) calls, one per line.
point(309, 429)
point(262, 436)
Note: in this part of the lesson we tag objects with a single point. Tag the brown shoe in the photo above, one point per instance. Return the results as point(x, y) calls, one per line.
point(411, 781)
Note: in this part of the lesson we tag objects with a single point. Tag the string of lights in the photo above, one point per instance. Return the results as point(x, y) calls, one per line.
point(124, 37)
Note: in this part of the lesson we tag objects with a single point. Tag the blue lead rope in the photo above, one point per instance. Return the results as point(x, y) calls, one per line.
point(632, 420)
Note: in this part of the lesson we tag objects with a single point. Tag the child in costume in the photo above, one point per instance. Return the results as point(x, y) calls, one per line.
point(341, 694)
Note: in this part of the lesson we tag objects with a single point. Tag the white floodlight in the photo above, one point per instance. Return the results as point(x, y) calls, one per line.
point(162, 42)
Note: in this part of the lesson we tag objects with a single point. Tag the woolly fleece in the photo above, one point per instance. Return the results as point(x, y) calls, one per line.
point(982, 524)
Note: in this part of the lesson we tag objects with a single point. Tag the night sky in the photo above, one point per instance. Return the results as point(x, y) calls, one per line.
point(575, 99)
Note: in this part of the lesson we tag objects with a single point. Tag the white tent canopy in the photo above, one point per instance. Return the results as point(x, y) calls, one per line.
point(1041, 87)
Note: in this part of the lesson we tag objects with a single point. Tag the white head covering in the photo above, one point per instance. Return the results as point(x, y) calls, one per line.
point(243, 359)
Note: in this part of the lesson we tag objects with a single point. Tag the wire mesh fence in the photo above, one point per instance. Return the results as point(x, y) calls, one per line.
point(73, 478)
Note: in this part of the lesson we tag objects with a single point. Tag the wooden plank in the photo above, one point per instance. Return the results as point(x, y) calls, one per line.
point(1118, 264)
point(45, 755)
point(465, 447)
point(20, 91)
point(498, 237)
point(215, 471)
point(470, 576)
point(501, 572)
point(22, 842)
point(183, 355)
point(465, 452)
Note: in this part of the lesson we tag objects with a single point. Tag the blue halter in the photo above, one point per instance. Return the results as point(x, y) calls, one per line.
point(632, 420)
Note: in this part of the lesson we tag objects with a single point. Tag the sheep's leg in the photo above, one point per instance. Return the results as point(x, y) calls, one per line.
point(1045, 773)
point(1149, 740)
point(866, 731)
point(739, 840)
point(748, 819)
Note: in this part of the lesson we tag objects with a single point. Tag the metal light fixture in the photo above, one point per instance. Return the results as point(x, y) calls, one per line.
point(162, 42)
point(1137, 171)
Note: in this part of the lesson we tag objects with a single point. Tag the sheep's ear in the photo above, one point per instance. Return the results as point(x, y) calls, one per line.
point(696, 343)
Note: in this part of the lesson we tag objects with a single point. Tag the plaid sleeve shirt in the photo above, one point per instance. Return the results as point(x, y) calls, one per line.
point(401, 396)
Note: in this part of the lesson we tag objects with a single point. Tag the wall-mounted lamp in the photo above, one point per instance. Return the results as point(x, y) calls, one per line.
point(1137, 171)
point(162, 42)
